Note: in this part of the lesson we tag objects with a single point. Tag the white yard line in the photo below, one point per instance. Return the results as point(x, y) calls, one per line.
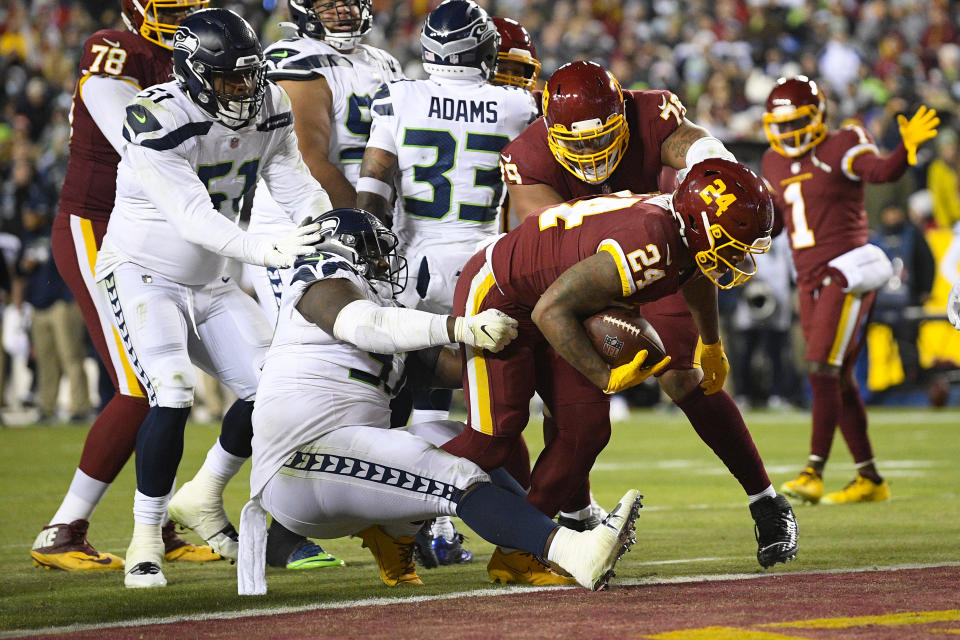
point(477, 593)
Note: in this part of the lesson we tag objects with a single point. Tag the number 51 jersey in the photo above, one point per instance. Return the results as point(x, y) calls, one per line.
point(447, 135)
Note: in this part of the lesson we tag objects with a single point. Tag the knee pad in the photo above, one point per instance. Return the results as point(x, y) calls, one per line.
point(175, 383)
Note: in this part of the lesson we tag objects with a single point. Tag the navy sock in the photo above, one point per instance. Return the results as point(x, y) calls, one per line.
point(505, 519)
point(159, 449)
point(236, 431)
point(502, 478)
point(433, 399)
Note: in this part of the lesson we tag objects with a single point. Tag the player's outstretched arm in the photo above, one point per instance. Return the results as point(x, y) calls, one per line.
point(312, 102)
point(701, 297)
point(375, 186)
point(338, 307)
point(582, 290)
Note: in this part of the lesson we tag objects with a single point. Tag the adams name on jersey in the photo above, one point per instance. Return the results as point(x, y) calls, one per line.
point(447, 136)
point(305, 357)
point(160, 193)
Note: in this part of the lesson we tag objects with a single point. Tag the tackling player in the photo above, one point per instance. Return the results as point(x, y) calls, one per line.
point(570, 261)
point(325, 460)
point(594, 139)
point(439, 139)
point(817, 179)
point(195, 147)
point(114, 66)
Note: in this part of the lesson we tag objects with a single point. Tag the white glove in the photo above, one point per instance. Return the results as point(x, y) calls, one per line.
point(491, 330)
point(295, 243)
point(953, 306)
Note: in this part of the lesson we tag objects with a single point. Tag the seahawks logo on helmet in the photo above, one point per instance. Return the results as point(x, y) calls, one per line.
point(185, 40)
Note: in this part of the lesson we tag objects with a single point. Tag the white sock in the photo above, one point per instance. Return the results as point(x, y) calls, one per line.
point(766, 493)
point(147, 543)
point(82, 498)
point(148, 510)
point(428, 415)
point(219, 466)
point(443, 526)
point(564, 547)
point(581, 514)
point(166, 514)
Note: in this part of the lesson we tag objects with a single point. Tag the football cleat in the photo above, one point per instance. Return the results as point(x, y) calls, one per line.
point(196, 509)
point(808, 486)
point(775, 530)
point(65, 546)
point(603, 546)
point(860, 489)
point(394, 556)
point(144, 559)
point(310, 555)
point(438, 542)
point(592, 521)
point(521, 567)
point(176, 549)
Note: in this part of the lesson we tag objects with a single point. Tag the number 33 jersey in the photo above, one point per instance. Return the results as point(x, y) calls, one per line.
point(447, 135)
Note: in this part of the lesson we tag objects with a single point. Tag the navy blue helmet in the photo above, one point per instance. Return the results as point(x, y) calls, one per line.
point(218, 59)
point(361, 238)
point(460, 39)
point(339, 23)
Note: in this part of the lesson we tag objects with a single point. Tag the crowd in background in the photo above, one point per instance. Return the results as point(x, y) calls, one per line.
point(874, 59)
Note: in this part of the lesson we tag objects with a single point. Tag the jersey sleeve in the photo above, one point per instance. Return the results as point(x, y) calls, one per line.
point(287, 60)
point(106, 100)
point(106, 53)
point(528, 160)
point(312, 269)
point(861, 160)
point(288, 178)
point(661, 112)
point(384, 122)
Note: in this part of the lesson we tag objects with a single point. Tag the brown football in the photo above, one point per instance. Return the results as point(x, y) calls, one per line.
point(618, 334)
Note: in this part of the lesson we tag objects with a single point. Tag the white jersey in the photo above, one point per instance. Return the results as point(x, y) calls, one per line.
point(353, 78)
point(305, 359)
point(181, 179)
point(447, 135)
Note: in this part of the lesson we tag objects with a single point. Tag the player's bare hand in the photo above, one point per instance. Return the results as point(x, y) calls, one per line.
point(953, 306)
point(491, 330)
point(715, 367)
point(633, 373)
point(291, 245)
point(917, 130)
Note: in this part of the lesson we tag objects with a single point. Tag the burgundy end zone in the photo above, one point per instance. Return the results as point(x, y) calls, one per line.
point(774, 607)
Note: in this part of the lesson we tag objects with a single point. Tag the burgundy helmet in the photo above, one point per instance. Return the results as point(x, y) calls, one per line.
point(517, 63)
point(157, 20)
point(586, 124)
point(795, 118)
point(726, 215)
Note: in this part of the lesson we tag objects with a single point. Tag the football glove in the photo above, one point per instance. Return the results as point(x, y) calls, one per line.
point(715, 367)
point(491, 330)
point(633, 373)
point(917, 130)
point(293, 244)
point(953, 306)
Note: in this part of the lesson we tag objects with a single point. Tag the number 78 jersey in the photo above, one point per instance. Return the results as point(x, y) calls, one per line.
point(447, 136)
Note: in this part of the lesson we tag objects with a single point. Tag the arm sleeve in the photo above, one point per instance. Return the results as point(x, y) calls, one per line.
point(106, 99)
point(172, 185)
point(389, 329)
point(291, 184)
point(862, 160)
point(384, 121)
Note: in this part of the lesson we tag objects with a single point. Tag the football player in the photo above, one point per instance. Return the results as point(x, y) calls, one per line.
point(326, 462)
point(595, 138)
point(570, 261)
point(517, 62)
point(439, 139)
point(330, 76)
point(114, 66)
point(817, 179)
point(195, 147)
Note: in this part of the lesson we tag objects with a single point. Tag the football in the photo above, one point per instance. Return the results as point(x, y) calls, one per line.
point(618, 334)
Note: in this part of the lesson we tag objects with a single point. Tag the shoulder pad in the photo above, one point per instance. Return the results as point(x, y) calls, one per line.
point(151, 124)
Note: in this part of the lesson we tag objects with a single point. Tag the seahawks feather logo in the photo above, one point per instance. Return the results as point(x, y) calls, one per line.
point(186, 40)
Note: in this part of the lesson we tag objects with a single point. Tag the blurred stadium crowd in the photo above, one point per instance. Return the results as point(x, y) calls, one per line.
point(875, 59)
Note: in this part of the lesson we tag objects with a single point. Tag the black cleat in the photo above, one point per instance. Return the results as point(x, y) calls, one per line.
point(775, 530)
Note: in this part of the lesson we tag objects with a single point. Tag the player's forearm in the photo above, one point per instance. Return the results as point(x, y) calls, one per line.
point(874, 168)
point(701, 297)
point(338, 188)
point(374, 188)
point(566, 335)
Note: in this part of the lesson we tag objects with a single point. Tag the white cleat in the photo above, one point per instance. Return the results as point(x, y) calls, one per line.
point(196, 509)
point(605, 545)
point(143, 562)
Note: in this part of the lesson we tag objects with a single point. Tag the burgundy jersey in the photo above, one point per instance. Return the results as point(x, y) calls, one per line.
point(651, 117)
point(818, 197)
point(637, 230)
point(90, 185)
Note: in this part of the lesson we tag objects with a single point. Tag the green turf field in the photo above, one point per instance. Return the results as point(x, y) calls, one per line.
point(695, 519)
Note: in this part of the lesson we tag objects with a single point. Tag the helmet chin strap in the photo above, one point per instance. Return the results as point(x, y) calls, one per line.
point(680, 222)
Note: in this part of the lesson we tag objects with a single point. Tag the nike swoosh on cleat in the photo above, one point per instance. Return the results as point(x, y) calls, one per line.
point(103, 561)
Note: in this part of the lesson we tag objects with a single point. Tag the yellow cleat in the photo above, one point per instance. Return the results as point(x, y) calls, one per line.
point(65, 546)
point(176, 549)
point(808, 486)
point(521, 567)
point(394, 556)
point(860, 489)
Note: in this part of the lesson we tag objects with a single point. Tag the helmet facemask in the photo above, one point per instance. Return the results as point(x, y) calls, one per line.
point(728, 262)
point(359, 237)
point(517, 68)
point(792, 131)
point(590, 150)
point(339, 23)
point(157, 20)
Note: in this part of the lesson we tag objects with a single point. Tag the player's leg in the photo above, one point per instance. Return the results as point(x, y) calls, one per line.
point(868, 485)
point(150, 316)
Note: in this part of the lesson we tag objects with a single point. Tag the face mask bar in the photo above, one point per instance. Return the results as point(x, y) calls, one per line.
point(796, 140)
point(574, 149)
point(726, 272)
